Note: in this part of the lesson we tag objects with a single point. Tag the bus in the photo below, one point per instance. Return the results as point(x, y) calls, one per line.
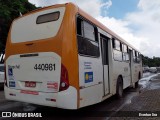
point(62, 57)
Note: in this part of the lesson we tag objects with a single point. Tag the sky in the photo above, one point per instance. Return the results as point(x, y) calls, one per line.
point(136, 21)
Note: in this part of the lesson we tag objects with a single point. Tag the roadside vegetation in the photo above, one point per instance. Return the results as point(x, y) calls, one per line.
point(151, 62)
point(9, 10)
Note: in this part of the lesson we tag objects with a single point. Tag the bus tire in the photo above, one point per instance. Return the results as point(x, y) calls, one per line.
point(136, 83)
point(119, 87)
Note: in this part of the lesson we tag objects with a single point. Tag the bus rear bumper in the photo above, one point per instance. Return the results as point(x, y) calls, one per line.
point(65, 99)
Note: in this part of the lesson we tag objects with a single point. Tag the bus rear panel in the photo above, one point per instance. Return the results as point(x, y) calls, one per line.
point(35, 72)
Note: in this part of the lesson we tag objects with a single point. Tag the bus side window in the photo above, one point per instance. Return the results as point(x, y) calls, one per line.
point(135, 56)
point(117, 51)
point(138, 57)
point(125, 52)
point(88, 31)
point(87, 36)
point(117, 45)
point(125, 48)
point(133, 53)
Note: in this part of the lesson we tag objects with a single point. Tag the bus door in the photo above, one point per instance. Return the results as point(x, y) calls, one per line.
point(104, 49)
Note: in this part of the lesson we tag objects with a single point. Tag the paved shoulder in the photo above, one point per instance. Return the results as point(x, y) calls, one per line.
point(145, 106)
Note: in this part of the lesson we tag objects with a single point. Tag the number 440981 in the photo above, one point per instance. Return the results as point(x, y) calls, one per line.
point(46, 67)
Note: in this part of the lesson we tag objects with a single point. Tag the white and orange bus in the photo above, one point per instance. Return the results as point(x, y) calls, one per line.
point(60, 56)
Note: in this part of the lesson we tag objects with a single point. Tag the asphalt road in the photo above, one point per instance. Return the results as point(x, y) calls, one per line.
point(100, 111)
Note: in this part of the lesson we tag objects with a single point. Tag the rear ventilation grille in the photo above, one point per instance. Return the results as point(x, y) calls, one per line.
point(29, 55)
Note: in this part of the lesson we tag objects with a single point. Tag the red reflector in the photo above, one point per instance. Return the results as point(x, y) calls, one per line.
point(53, 85)
point(29, 92)
point(50, 83)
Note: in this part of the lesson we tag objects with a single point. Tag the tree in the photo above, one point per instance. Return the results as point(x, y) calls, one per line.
point(151, 62)
point(9, 10)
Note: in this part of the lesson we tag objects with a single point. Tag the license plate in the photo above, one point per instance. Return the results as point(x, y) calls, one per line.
point(30, 84)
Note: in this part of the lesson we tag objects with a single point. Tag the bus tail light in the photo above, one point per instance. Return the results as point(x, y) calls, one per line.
point(64, 83)
point(5, 76)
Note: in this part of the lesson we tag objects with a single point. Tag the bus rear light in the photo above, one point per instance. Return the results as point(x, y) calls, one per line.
point(64, 83)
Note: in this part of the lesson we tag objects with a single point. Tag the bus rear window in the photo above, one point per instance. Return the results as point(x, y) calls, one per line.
point(48, 17)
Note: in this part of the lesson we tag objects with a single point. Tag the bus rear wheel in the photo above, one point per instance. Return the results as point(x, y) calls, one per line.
point(119, 88)
point(136, 83)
